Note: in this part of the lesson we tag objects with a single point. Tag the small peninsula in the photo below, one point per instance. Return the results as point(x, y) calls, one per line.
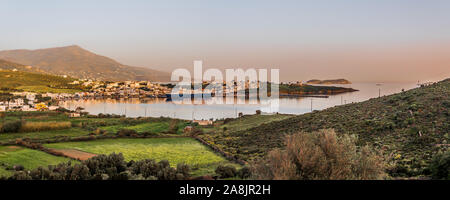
point(329, 82)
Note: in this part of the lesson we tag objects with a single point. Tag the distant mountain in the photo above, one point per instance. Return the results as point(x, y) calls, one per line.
point(328, 82)
point(77, 62)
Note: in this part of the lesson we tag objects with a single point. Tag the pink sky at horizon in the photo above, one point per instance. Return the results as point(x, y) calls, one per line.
point(358, 63)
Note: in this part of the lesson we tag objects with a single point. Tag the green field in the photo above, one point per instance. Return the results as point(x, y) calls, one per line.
point(30, 159)
point(83, 126)
point(36, 82)
point(175, 150)
point(152, 127)
point(72, 132)
point(45, 89)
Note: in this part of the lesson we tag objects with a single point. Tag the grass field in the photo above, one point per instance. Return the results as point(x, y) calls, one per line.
point(175, 150)
point(35, 82)
point(153, 127)
point(45, 89)
point(82, 126)
point(71, 132)
point(30, 159)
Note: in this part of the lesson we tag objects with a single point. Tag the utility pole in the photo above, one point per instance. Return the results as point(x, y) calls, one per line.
point(379, 92)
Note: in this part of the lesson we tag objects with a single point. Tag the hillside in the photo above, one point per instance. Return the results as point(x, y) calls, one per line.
point(329, 82)
point(6, 65)
point(409, 128)
point(14, 81)
point(80, 63)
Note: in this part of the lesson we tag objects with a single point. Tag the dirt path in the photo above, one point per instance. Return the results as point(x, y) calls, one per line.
point(75, 154)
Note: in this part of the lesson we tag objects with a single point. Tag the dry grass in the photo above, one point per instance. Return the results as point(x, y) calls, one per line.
point(321, 155)
point(44, 126)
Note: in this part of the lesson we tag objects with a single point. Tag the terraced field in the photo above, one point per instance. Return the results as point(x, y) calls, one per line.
point(175, 150)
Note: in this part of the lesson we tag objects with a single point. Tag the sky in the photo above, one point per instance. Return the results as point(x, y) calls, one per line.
point(361, 40)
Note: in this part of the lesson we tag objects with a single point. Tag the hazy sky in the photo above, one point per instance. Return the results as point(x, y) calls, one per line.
point(362, 40)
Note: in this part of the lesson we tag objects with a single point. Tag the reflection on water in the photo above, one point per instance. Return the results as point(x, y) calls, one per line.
point(161, 107)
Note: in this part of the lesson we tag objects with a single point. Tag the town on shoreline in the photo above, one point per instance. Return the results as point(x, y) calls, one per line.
point(35, 101)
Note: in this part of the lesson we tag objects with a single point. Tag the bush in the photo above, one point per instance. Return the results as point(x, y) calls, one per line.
point(320, 156)
point(106, 167)
point(150, 169)
point(126, 132)
point(18, 168)
point(173, 127)
point(440, 166)
point(99, 132)
point(244, 172)
point(226, 171)
point(11, 126)
point(111, 165)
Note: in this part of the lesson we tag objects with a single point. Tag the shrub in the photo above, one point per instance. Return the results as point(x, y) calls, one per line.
point(226, 171)
point(18, 168)
point(107, 167)
point(173, 127)
point(244, 172)
point(99, 132)
point(11, 126)
point(111, 165)
point(320, 156)
point(440, 166)
point(21, 175)
point(196, 132)
point(150, 169)
point(126, 132)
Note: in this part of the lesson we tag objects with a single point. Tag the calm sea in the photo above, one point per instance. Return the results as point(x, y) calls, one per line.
point(161, 107)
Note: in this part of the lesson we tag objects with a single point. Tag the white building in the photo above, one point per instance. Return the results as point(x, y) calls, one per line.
point(53, 107)
point(28, 108)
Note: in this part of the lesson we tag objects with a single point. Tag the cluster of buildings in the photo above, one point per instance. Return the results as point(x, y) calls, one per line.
point(124, 89)
point(27, 101)
point(24, 101)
